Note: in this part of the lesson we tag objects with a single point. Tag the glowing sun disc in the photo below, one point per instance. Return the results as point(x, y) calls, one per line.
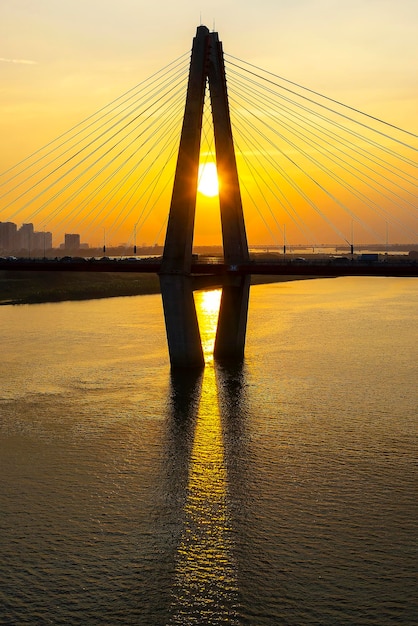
point(208, 180)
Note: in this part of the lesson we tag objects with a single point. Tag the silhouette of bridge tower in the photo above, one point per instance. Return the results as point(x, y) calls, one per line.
point(185, 348)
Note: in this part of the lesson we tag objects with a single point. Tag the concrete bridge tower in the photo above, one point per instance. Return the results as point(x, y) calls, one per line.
point(206, 66)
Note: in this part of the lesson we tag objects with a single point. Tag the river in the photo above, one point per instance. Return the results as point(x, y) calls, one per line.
point(281, 492)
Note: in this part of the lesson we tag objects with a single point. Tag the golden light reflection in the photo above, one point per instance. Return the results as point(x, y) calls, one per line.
point(207, 308)
point(206, 587)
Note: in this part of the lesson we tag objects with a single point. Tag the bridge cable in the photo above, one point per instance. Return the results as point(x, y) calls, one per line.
point(323, 96)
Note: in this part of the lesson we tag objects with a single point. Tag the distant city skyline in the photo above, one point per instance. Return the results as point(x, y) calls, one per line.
point(25, 239)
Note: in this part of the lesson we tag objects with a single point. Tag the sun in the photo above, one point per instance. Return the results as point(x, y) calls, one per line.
point(208, 183)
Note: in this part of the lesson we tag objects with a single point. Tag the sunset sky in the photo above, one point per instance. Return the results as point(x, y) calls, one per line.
point(62, 60)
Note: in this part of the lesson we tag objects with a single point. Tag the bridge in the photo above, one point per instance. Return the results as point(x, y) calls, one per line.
point(325, 267)
point(179, 272)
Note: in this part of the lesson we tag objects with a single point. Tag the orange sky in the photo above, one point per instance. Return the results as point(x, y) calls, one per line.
point(61, 61)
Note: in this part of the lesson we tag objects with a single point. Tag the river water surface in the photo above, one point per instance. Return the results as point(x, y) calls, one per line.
point(279, 492)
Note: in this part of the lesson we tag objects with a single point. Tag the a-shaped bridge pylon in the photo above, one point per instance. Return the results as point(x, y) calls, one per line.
point(206, 67)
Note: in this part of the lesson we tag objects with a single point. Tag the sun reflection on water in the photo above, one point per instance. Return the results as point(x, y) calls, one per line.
point(205, 581)
point(207, 308)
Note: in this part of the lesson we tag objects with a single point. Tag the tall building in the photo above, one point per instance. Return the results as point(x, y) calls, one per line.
point(47, 240)
point(42, 241)
point(25, 237)
point(72, 242)
point(8, 231)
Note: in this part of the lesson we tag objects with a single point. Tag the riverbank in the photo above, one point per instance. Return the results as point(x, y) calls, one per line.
point(39, 287)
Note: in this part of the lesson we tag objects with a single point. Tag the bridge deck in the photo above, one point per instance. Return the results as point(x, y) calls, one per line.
point(324, 267)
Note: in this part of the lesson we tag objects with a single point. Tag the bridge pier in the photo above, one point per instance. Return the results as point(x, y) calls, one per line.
point(232, 321)
point(182, 328)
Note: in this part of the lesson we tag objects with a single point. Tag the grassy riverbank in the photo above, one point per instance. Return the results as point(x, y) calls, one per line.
point(37, 287)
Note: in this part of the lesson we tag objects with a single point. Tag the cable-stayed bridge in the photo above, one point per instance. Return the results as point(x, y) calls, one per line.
point(326, 172)
point(292, 166)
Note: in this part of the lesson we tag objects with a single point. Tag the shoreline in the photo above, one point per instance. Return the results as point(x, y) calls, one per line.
point(47, 287)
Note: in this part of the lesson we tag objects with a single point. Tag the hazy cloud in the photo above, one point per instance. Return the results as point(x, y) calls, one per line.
point(19, 61)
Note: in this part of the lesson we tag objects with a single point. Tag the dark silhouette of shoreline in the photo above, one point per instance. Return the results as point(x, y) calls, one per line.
point(39, 287)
